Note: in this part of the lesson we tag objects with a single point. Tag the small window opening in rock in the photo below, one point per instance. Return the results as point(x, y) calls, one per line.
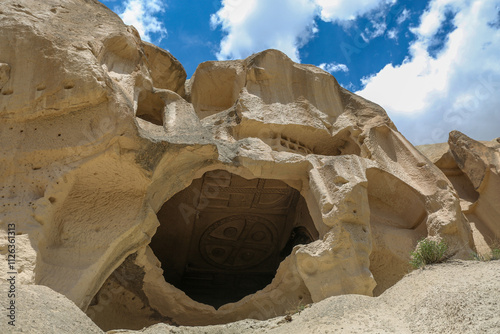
point(223, 237)
point(150, 107)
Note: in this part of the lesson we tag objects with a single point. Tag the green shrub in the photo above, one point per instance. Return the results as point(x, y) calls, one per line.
point(478, 257)
point(428, 252)
point(495, 254)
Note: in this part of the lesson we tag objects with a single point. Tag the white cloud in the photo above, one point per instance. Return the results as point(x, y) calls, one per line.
point(392, 34)
point(405, 14)
point(378, 28)
point(431, 20)
point(255, 25)
point(141, 14)
point(334, 10)
point(459, 88)
point(334, 67)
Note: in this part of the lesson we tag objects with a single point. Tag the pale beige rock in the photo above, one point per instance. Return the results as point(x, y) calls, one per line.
point(100, 132)
point(4, 74)
point(39, 309)
point(457, 297)
point(166, 71)
point(474, 169)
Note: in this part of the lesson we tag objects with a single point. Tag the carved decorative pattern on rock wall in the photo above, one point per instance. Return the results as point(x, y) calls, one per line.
point(238, 242)
point(236, 193)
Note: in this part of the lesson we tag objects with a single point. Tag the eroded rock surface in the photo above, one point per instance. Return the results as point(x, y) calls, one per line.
point(473, 168)
point(457, 297)
point(40, 309)
point(108, 163)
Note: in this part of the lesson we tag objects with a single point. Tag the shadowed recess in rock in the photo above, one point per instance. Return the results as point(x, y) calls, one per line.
point(223, 237)
point(150, 107)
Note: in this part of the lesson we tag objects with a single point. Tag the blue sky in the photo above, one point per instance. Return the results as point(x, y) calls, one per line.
point(433, 65)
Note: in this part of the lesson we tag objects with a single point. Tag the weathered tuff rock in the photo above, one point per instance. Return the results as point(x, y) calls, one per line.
point(41, 310)
point(457, 297)
point(255, 186)
point(474, 170)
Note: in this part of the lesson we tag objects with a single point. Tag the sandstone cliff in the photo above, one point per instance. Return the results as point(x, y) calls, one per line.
point(474, 170)
point(255, 186)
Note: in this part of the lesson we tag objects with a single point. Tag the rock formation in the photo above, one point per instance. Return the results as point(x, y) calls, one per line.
point(42, 310)
point(137, 194)
point(458, 297)
point(474, 170)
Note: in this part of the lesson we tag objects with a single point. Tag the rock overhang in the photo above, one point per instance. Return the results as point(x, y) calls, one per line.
point(88, 179)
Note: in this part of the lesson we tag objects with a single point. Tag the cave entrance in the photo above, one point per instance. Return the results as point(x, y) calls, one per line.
point(150, 107)
point(223, 237)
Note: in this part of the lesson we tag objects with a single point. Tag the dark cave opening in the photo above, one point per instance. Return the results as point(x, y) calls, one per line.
point(150, 107)
point(224, 237)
